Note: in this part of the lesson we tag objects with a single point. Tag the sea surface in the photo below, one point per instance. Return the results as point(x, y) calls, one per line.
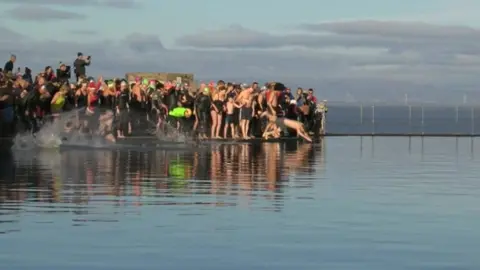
point(344, 203)
point(417, 119)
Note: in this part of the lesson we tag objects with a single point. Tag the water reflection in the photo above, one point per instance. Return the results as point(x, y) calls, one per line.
point(400, 207)
point(85, 183)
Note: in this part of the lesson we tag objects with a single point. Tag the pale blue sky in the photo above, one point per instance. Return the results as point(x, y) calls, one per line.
point(170, 19)
point(367, 46)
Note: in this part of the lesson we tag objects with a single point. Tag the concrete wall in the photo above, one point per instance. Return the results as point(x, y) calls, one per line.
point(161, 76)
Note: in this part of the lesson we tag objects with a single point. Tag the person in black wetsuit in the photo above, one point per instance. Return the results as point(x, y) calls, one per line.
point(187, 101)
point(7, 112)
point(171, 100)
point(203, 104)
point(81, 95)
point(107, 98)
point(122, 105)
point(138, 106)
point(158, 108)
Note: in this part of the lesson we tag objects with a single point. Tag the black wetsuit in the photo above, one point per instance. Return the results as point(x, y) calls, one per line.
point(81, 100)
point(203, 112)
point(122, 103)
point(156, 109)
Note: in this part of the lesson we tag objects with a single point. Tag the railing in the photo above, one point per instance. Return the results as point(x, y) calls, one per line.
point(366, 119)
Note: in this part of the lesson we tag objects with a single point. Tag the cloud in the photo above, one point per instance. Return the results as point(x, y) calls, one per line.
point(355, 66)
point(83, 32)
point(393, 29)
point(7, 34)
point(42, 14)
point(123, 4)
point(396, 37)
point(144, 43)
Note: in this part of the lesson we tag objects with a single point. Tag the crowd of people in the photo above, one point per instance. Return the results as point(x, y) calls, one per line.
point(117, 108)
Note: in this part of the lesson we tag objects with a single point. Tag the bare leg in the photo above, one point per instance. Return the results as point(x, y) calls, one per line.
point(225, 130)
point(303, 134)
point(213, 128)
point(195, 125)
point(232, 130)
point(219, 125)
point(242, 128)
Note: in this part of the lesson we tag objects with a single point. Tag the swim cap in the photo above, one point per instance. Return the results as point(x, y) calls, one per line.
point(145, 82)
point(206, 89)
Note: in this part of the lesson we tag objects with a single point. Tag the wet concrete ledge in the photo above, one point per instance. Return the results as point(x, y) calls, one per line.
point(447, 135)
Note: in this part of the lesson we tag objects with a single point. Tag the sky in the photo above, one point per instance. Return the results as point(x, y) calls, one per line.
point(349, 50)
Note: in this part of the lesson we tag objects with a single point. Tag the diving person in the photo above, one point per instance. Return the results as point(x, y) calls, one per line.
point(281, 123)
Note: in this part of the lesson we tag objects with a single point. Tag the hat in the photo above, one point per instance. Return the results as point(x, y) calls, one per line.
point(79, 54)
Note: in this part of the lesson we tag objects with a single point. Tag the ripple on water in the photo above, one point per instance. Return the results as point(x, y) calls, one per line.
point(371, 204)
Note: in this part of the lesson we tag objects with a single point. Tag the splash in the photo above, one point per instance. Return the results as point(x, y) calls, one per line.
point(53, 134)
point(65, 131)
point(171, 134)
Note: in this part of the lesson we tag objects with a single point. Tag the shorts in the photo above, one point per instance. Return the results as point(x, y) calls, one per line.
point(229, 119)
point(236, 115)
point(247, 113)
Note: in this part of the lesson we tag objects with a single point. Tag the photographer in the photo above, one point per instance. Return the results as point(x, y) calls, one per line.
point(80, 65)
point(9, 64)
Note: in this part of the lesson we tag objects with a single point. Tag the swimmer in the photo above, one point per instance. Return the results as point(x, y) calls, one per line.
point(68, 127)
point(284, 122)
point(271, 130)
point(105, 126)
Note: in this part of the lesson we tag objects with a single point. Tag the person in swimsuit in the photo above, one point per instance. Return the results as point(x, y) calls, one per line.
point(81, 95)
point(246, 113)
point(58, 101)
point(286, 123)
point(229, 118)
point(105, 127)
point(216, 112)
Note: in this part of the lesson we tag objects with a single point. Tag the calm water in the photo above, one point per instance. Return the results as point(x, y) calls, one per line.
point(349, 203)
point(402, 119)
